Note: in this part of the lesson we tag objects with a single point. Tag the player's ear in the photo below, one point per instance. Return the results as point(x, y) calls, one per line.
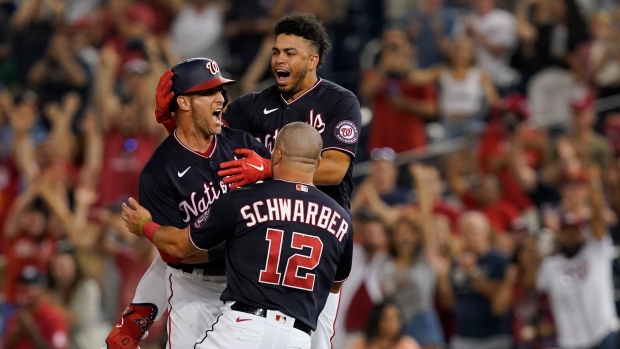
point(183, 102)
point(318, 162)
point(313, 62)
point(276, 157)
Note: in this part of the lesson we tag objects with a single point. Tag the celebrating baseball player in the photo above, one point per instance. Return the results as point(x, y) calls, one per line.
point(178, 185)
point(300, 46)
point(288, 246)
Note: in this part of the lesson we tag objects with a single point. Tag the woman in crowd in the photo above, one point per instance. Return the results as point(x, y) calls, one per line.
point(464, 89)
point(409, 279)
point(81, 297)
point(385, 330)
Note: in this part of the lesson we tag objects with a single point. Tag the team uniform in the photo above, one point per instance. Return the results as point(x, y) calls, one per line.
point(331, 109)
point(286, 244)
point(178, 186)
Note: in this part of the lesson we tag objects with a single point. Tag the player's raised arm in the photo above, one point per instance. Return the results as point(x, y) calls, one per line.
point(170, 240)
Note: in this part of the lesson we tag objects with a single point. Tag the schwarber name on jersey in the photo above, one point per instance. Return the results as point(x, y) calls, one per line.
point(178, 185)
point(333, 110)
point(286, 245)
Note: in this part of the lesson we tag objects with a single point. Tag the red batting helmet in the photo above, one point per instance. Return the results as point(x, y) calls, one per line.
point(197, 74)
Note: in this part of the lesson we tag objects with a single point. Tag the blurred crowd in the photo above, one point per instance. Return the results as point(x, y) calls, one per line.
point(488, 217)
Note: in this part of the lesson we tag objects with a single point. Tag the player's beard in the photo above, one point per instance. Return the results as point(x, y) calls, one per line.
point(298, 79)
point(205, 124)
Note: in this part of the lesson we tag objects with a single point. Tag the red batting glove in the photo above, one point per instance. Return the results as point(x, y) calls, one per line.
point(163, 97)
point(245, 171)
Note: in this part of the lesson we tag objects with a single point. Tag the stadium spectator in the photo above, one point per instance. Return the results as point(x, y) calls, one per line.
point(464, 88)
point(431, 27)
point(507, 143)
point(247, 23)
point(382, 183)
point(34, 22)
point(582, 266)
point(80, 296)
point(493, 32)
point(548, 32)
point(582, 144)
point(385, 330)
point(470, 285)
point(36, 323)
point(409, 275)
point(28, 243)
point(532, 322)
point(60, 71)
point(400, 108)
point(198, 30)
point(362, 291)
point(129, 135)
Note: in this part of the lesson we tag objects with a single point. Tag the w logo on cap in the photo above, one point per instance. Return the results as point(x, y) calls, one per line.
point(213, 67)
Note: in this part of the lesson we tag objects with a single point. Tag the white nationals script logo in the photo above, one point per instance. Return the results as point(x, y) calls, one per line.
point(316, 121)
point(346, 132)
point(213, 67)
point(194, 208)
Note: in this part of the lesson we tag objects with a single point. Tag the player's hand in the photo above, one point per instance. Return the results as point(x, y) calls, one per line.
point(134, 216)
point(245, 171)
point(163, 97)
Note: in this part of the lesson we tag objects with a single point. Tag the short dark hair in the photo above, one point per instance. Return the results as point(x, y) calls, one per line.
point(307, 26)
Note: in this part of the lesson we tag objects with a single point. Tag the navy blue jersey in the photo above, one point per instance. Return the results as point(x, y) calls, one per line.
point(178, 185)
point(286, 245)
point(333, 110)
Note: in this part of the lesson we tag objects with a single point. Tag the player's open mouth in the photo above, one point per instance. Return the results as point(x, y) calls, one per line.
point(282, 76)
point(217, 116)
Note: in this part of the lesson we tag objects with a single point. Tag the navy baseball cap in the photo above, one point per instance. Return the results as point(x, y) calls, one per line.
point(197, 74)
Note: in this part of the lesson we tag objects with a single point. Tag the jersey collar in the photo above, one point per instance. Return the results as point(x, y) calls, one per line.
point(293, 182)
point(301, 95)
point(207, 154)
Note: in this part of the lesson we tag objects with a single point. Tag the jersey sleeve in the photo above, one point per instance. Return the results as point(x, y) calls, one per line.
point(342, 129)
point(215, 228)
point(346, 258)
point(235, 117)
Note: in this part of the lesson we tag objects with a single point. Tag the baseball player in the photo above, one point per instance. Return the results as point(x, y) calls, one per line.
point(300, 46)
point(178, 185)
point(288, 245)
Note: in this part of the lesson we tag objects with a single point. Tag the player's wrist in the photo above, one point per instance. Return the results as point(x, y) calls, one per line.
point(148, 228)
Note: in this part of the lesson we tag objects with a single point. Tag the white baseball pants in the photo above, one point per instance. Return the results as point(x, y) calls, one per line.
point(234, 329)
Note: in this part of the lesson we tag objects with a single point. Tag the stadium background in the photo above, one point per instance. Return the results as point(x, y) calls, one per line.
point(534, 105)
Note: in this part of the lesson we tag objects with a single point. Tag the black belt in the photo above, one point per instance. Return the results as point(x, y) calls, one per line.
point(244, 308)
point(189, 268)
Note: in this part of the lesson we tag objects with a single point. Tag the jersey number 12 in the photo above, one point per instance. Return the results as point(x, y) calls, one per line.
point(270, 274)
